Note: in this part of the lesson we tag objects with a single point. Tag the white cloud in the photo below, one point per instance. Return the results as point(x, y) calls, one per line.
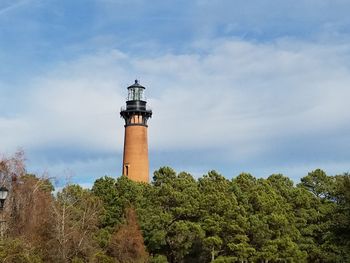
point(240, 96)
point(244, 92)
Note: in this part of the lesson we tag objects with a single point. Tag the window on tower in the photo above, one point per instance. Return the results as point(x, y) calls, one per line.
point(126, 170)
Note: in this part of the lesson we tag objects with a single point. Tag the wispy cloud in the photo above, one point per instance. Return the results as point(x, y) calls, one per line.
point(251, 86)
point(9, 6)
point(271, 103)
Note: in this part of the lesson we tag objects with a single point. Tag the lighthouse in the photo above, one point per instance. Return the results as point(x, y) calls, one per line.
point(136, 115)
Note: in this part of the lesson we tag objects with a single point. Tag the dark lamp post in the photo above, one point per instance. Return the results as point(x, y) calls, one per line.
point(3, 195)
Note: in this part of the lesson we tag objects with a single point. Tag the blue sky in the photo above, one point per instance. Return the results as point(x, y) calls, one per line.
point(235, 86)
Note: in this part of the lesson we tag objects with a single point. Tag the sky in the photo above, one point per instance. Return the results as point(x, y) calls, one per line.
point(257, 86)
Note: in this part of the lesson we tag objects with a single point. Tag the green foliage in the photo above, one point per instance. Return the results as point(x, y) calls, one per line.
point(225, 259)
point(77, 260)
point(181, 237)
point(180, 219)
point(15, 250)
point(44, 183)
point(158, 259)
point(318, 183)
point(103, 236)
point(101, 257)
point(340, 224)
point(106, 190)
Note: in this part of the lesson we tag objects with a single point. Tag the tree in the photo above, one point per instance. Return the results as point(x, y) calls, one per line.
point(221, 217)
point(318, 183)
point(213, 245)
point(16, 250)
point(319, 210)
point(174, 207)
point(77, 213)
point(342, 197)
point(30, 217)
point(11, 168)
point(126, 244)
point(340, 225)
point(105, 188)
point(181, 238)
point(178, 218)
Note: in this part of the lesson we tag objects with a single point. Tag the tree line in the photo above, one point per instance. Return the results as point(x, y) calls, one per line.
point(176, 218)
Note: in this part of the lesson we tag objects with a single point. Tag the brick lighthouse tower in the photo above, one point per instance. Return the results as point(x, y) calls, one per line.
point(136, 114)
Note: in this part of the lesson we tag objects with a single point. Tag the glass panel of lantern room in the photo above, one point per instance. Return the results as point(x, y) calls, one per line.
point(135, 94)
point(138, 93)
